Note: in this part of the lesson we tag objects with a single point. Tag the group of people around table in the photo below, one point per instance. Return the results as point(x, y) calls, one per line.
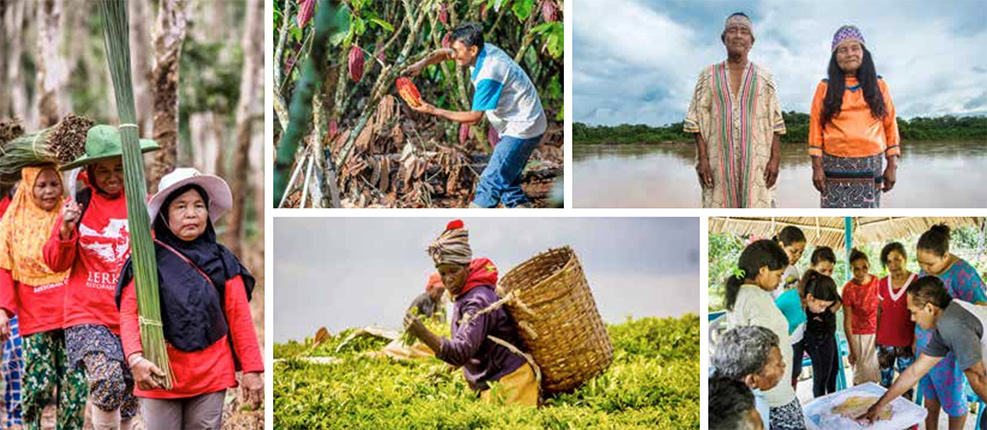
point(68, 306)
point(737, 122)
point(927, 328)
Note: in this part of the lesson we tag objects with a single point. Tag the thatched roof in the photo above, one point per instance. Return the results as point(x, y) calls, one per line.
point(829, 231)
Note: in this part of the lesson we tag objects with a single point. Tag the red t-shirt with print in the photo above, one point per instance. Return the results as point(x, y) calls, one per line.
point(101, 244)
point(863, 301)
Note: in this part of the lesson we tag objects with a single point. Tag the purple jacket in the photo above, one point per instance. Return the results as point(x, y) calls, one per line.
point(483, 360)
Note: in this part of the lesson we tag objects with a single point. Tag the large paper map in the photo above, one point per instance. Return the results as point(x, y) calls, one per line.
point(855, 406)
point(839, 410)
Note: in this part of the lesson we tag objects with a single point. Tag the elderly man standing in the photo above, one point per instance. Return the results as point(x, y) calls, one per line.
point(736, 118)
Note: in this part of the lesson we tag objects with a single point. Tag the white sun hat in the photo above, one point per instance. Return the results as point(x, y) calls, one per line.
point(220, 196)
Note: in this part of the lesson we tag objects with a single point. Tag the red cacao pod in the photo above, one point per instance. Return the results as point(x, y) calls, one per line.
point(483, 12)
point(444, 14)
point(333, 128)
point(548, 11)
point(408, 91)
point(493, 137)
point(305, 10)
point(447, 40)
point(356, 63)
point(464, 133)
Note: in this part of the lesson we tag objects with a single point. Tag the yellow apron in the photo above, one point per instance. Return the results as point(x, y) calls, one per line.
point(516, 388)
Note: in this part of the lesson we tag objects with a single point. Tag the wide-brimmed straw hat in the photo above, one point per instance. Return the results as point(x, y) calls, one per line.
point(220, 196)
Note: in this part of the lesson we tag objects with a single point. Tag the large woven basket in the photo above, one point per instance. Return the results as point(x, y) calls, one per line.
point(558, 320)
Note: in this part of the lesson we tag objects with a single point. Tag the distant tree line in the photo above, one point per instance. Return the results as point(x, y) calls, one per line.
point(916, 129)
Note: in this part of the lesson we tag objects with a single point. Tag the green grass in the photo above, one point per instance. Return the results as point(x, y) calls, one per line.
point(653, 383)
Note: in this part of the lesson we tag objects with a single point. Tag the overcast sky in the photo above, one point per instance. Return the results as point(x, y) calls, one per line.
point(636, 61)
point(355, 272)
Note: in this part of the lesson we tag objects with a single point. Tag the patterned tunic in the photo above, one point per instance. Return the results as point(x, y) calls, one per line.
point(738, 129)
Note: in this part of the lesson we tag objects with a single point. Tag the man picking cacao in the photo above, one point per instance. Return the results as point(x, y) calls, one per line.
point(505, 94)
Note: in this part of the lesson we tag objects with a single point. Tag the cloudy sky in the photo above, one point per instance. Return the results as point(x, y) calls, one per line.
point(355, 272)
point(636, 61)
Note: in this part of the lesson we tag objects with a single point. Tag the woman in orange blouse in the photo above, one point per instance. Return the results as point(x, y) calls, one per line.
point(853, 128)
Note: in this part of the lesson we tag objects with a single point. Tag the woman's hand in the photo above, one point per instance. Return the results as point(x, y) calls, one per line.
point(870, 416)
point(71, 212)
point(890, 174)
point(144, 372)
point(414, 326)
point(252, 386)
point(852, 358)
point(818, 178)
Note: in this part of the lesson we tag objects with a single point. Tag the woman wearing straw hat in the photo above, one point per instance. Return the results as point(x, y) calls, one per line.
point(35, 292)
point(94, 229)
point(204, 293)
point(471, 282)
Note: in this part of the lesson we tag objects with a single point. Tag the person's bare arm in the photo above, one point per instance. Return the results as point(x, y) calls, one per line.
point(922, 365)
point(978, 379)
point(771, 170)
point(471, 117)
point(703, 168)
point(848, 330)
point(437, 56)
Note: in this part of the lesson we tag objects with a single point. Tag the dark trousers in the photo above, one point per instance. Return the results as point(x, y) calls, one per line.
point(822, 350)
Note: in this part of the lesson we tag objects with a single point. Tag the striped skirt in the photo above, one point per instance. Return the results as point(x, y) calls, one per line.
point(852, 182)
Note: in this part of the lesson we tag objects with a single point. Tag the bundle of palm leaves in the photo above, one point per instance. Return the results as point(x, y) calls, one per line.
point(58, 144)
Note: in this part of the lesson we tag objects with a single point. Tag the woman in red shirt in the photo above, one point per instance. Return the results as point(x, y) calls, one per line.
point(204, 293)
point(35, 292)
point(895, 328)
point(860, 319)
point(94, 230)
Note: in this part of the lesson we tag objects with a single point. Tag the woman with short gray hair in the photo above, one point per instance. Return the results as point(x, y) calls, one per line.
point(750, 354)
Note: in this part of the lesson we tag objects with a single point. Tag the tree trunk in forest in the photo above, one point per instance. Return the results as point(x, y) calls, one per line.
point(169, 35)
point(52, 72)
point(5, 9)
point(15, 26)
point(140, 50)
point(250, 87)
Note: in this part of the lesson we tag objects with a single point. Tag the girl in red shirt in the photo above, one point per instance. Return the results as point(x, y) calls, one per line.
point(204, 293)
point(860, 319)
point(895, 328)
point(35, 292)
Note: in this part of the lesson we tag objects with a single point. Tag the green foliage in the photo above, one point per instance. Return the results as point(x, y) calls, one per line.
point(652, 384)
point(797, 124)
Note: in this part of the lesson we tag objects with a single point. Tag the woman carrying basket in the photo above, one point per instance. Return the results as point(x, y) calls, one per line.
point(484, 360)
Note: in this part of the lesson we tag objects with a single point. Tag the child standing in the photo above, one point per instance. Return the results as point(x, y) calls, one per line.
point(860, 319)
point(819, 293)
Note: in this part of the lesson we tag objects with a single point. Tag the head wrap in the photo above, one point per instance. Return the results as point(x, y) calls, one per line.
point(847, 33)
point(739, 19)
point(23, 232)
point(452, 246)
point(434, 281)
